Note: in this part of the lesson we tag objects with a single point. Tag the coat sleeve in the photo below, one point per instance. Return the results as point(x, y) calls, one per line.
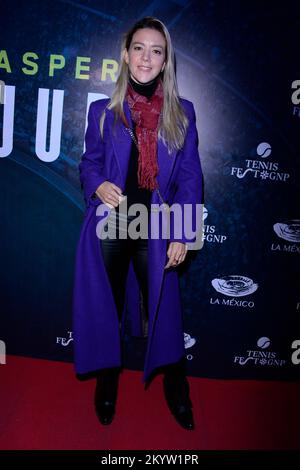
point(92, 160)
point(188, 186)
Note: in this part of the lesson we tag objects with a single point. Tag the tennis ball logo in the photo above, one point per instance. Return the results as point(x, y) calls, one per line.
point(264, 150)
point(263, 342)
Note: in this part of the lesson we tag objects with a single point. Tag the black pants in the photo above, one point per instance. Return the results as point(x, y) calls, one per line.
point(117, 254)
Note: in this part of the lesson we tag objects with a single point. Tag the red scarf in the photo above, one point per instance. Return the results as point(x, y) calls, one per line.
point(145, 113)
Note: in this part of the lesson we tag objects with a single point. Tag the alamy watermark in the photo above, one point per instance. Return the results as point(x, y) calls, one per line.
point(2, 352)
point(176, 222)
point(2, 92)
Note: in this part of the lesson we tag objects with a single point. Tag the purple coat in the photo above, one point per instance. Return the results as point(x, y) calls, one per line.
point(95, 320)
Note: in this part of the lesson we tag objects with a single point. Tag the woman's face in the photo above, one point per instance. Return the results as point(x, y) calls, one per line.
point(146, 55)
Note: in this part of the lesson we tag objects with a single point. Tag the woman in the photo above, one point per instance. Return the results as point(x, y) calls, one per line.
point(140, 145)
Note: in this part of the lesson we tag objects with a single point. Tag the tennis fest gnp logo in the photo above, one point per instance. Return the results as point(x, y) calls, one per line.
point(264, 356)
point(210, 232)
point(261, 169)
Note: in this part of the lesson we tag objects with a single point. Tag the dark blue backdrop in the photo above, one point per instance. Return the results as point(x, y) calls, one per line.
point(239, 64)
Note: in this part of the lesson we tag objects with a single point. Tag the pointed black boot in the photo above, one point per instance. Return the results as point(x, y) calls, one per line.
point(106, 393)
point(176, 390)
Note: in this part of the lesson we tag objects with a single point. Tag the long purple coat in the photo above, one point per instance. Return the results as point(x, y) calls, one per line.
point(95, 320)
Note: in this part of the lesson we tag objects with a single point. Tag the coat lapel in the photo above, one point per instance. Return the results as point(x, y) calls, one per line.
point(121, 141)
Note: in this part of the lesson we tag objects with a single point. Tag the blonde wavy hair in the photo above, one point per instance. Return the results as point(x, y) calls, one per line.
point(174, 123)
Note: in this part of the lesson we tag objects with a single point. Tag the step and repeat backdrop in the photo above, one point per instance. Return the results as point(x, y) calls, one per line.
point(238, 62)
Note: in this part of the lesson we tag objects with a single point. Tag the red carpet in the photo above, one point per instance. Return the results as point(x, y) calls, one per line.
point(44, 406)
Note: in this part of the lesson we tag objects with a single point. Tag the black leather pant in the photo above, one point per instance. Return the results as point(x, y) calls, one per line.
point(117, 254)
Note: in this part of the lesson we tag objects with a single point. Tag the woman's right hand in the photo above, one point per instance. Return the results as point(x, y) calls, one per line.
point(110, 194)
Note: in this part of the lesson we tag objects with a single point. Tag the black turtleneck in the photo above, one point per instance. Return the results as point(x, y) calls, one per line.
point(144, 89)
point(132, 191)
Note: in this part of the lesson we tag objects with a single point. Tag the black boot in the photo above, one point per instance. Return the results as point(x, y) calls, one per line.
point(176, 390)
point(106, 393)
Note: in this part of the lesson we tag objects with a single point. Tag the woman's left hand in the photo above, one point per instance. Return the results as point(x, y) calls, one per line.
point(176, 254)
